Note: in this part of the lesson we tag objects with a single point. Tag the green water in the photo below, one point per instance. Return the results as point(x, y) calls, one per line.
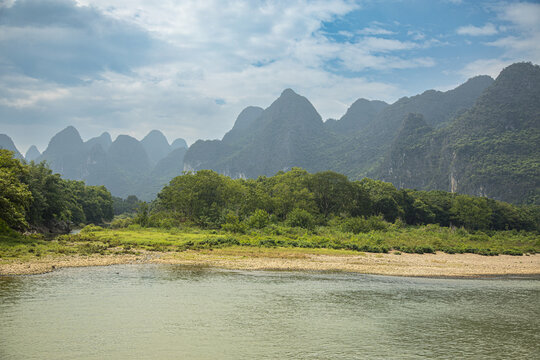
point(174, 312)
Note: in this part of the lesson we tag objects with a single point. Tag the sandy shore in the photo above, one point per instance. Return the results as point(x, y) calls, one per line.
point(436, 265)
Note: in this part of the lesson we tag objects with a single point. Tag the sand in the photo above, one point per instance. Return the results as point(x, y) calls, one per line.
point(430, 265)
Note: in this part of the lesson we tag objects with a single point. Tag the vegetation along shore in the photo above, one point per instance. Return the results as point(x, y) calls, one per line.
point(291, 221)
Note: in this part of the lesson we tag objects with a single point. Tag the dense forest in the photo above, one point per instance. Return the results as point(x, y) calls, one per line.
point(33, 198)
point(300, 199)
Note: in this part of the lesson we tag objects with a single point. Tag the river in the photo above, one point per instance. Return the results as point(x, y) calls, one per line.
point(179, 312)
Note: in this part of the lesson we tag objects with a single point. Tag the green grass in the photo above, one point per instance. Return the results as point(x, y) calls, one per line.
point(422, 239)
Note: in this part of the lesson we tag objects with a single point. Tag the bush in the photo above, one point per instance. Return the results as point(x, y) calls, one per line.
point(233, 224)
point(259, 219)
point(362, 225)
point(121, 223)
point(91, 228)
point(300, 218)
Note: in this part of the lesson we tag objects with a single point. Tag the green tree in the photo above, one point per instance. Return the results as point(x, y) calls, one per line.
point(471, 212)
point(332, 192)
point(14, 194)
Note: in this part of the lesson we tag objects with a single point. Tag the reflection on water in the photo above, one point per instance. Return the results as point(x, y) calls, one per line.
point(178, 312)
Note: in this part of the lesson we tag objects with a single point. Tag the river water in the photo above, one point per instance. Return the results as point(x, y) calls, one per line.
point(178, 312)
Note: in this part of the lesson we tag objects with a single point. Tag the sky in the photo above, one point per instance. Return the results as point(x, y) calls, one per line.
point(188, 67)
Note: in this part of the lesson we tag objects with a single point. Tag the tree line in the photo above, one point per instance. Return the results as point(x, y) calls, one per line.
point(299, 198)
point(32, 197)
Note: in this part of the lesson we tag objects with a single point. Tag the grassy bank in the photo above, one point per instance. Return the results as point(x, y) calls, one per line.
point(132, 240)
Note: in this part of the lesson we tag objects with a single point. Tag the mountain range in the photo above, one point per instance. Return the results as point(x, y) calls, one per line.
point(125, 166)
point(481, 138)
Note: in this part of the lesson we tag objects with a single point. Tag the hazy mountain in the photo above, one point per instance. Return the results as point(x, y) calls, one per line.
point(179, 143)
point(7, 143)
point(156, 146)
point(126, 164)
point(167, 168)
point(104, 140)
point(493, 149)
point(32, 153)
point(477, 138)
point(66, 154)
point(359, 115)
point(288, 133)
point(359, 154)
point(123, 165)
point(242, 124)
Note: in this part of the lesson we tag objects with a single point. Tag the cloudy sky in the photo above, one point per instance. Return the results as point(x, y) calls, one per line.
point(189, 67)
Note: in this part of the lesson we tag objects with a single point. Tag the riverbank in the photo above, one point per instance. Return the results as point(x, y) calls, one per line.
point(394, 263)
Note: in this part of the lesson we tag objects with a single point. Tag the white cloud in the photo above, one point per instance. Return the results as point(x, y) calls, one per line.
point(523, 21)
point(243, 52)
point(524, 15)
point(491, 67)
point(471, 30)
point(375, 31)
point(416, 35)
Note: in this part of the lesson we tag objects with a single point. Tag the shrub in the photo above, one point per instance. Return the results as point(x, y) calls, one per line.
point(362, 225)
point(300, 218)
point(233, 224)
point(121, 223)
point(259, 219)
point(91, 228)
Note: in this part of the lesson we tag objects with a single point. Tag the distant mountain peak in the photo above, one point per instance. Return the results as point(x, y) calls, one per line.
point(156, 145)
point(124, 139)
point(104, 141)
point(154, 134)
point(245, 119)
point(70, 130)
point(68, 138)
point(288, 92)
point(359, 115)
point(518, 68)
point(105, 135)
point(179, 143)
point(7, 143)
point(475, 84)
point(32, 153)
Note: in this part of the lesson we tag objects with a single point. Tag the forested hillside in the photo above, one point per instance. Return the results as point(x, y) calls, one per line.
point(491, 150)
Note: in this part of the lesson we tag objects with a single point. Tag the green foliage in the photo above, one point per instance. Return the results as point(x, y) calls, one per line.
point(492, 149)
point(15, 196)
point(141, 217)
point(125, 206)
point(202, 197)
point(32, 196)
point(90, 229)
point(233, 224)
point(302, 199)
point(472, 213)
point(259, 219)
point(357, 225)
point(300, 218)
point(121, 222)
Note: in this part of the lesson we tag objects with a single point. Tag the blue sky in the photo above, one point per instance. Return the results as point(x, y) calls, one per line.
point(189, 67)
